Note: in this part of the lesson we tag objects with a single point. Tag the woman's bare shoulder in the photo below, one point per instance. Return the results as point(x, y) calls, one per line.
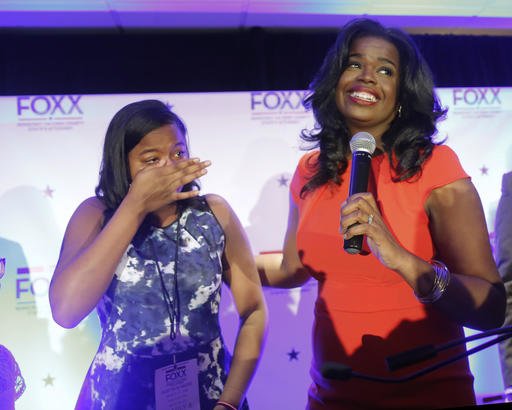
point(90, 208)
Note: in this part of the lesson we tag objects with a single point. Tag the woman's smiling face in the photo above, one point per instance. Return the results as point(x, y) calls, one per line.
point(366, 93)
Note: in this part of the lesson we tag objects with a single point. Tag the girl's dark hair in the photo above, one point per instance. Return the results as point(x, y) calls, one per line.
point(409, 140)
point(128, 126)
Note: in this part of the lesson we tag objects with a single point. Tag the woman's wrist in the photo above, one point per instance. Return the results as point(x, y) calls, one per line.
point(134, 206)
point(226, 405)
point(439, 284)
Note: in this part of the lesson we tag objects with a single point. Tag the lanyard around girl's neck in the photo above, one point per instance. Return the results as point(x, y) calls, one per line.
point(172, 304)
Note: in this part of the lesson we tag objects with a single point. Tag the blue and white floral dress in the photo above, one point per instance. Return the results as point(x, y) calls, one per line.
point(135, 319)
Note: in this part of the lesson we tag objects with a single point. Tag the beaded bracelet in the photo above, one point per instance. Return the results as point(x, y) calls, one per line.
point(441, 282)
point(226, 405)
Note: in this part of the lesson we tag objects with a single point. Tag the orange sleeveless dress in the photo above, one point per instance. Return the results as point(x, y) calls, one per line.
point(365, 312)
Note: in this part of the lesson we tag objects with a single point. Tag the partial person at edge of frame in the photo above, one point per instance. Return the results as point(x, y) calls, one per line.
point(12, 383)
point(503, 254)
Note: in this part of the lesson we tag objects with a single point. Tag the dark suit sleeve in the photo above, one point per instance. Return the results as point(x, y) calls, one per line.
point(503, 229)
point(503, 252)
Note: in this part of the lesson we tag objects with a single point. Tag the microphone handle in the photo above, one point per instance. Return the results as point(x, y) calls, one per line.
point(359, 174)
point(410, 357)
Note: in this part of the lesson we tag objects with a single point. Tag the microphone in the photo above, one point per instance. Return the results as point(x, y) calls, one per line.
point(336, 371)
point(422, 353)
point(362, 146)
point(340, 371)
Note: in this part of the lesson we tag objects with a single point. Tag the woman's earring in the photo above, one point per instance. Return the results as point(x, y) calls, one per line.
point(399, 112)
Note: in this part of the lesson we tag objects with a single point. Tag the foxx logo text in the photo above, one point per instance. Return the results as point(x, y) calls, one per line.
point(476, 96)
point(49, 105)
point(27, 281)
point(277, 100)
point(176, 372)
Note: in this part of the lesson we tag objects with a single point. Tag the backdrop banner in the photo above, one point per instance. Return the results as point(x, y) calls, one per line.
point(51, 147)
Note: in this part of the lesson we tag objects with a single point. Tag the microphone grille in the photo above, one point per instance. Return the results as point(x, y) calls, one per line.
point(363, 141)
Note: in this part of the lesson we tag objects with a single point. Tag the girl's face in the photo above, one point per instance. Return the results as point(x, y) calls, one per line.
point(166, 143)
point(366, 93)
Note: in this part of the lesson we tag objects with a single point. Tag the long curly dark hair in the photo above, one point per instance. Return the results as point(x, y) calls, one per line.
point(409, 140)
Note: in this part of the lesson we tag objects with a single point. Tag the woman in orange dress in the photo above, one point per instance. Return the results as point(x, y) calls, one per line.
point(426, 267)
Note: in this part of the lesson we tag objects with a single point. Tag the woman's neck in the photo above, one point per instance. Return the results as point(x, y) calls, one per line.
point(164, 216)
